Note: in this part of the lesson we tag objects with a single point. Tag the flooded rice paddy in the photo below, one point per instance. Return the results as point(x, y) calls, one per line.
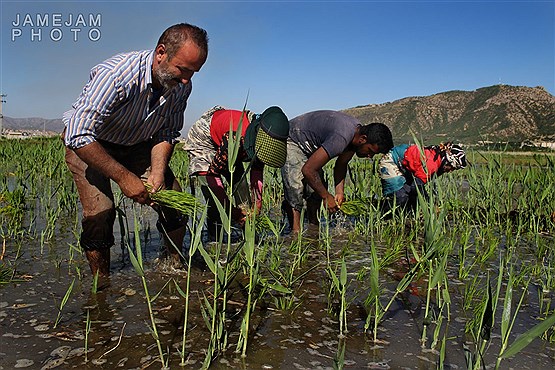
point(305, 337)
point(313, 300)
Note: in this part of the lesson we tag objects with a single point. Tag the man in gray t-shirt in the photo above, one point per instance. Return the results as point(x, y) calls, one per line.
point(314, 139)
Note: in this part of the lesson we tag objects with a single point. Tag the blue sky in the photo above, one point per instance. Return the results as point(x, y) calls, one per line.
point(300, 55)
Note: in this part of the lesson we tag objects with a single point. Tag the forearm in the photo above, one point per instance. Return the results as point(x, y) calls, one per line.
point(160, 157)
point(311, 171)
point(95, 156)
point(130, 184)
point(315, 182)
point(257, 186)
point(339, 180)
point(313, 179)
point(340, 172)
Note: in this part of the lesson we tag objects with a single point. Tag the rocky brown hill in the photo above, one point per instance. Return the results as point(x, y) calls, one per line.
point(496, 113)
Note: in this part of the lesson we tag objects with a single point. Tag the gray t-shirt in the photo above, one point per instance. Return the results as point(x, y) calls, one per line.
point(329, 129)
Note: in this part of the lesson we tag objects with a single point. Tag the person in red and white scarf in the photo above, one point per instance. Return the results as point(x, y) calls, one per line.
point(405, 169)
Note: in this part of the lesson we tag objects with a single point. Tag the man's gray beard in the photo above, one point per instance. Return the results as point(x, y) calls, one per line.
point(164, 77)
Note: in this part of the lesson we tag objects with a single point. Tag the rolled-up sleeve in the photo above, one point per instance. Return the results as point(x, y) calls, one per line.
point(93, 106)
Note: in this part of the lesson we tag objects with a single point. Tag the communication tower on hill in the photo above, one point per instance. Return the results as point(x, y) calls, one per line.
point(2, 96)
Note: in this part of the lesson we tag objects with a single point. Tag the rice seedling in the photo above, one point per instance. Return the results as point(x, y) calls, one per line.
point(179, 164)
point(87, 332)
point(485, 320)
point(356, 207)
point(137, 262)
point(373, 299)
point(375, 292)
point(63, 303)
point(470, 293)
point(443, 299)
point(214, 314)
point(285, 280)
point(196, 241)
point(12, 204)
point(94, 287)
point(6, 272)
point(442, 350)
point(434, 258)
point(525, 339)
point(263, 224)
point(339, 358)
point(277, 269)
point(506, 321)
point(340, 286)
point(464, 246)
point(481, 331)
point(250, 258)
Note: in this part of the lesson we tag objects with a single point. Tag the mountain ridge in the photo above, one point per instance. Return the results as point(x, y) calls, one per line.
point(34, 124)
point(495, 113)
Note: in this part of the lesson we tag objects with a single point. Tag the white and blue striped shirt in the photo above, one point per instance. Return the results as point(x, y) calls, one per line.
point(114, 105)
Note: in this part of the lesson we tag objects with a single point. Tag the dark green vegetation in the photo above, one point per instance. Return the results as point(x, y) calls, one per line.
point(468, 281)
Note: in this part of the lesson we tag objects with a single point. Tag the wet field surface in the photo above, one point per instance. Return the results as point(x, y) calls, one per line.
point(303, 338)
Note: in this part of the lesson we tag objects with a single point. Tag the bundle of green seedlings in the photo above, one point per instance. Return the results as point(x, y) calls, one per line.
point(263, 223)
point(356, 207)
point(183, 202)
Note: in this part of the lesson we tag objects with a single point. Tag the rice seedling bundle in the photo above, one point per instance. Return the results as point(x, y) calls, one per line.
point(183, 202)
point(263, 223)
point(356, 207)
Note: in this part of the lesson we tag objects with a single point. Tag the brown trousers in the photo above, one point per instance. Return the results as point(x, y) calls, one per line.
point(97, 199)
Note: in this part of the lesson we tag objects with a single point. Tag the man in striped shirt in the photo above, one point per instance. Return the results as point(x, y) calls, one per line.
point(123, 127)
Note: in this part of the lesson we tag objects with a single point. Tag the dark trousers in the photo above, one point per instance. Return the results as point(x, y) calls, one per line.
point(406, 198)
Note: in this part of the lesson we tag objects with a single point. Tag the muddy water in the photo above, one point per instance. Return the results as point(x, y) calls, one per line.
point(306, 338)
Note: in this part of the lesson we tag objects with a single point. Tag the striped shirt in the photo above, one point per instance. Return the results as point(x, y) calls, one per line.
point(118, 105)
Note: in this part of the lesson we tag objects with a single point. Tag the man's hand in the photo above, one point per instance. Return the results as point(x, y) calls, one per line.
point(95, 155)
point(156, 182)
point(339, 199)
point(331, 205)
point(133, 187)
